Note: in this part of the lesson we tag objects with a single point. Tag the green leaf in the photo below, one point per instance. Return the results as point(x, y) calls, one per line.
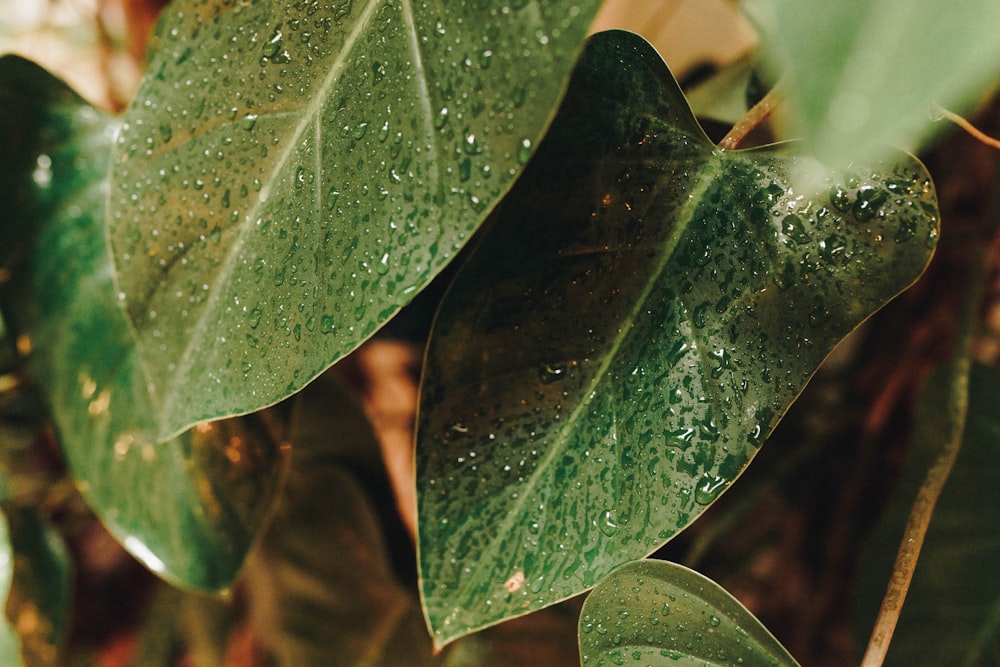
point(951, 615)
point(659, 614)
point(641, 314)
point(866, 73)
point(10, 644)
point(291, 173)
point(188, 508)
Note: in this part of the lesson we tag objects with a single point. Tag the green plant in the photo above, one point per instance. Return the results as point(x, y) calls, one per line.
point(637, 310)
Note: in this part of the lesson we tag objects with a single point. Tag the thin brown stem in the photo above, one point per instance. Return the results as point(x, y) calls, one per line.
point(752, 119)
point(957, 380)
point(969, 127)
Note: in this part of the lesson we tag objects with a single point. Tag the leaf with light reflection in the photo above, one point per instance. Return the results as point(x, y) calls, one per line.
point(188, 508)
point(639, 316)
point(660, 614)
point(291, 173)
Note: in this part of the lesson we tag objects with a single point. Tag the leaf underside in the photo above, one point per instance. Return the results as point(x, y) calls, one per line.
point(636, 320)
point(189, 508)
point(291, 173)
point(662, 614)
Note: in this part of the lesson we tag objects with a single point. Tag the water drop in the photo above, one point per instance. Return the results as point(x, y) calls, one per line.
point(441, 118)
point(470, 145)
point(524, 151)
point(709, 488)
point(608, 523)
point(273, 45)
point(549, 373)
point(254, 317)
point(326, 324)
point(518, 96)
point(840, 199)
point(868, 203)
point(715, 621)
point(794, 229)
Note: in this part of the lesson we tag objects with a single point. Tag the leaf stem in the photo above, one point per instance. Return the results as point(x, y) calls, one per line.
point(752, 119)
point(957, 381)
point(969, 127)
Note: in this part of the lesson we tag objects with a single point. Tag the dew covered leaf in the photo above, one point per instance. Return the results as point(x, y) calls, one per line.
point(862, 74)
point(188, 508)
point(638, 317)
point(291, 173)
point(951, 614)
point(659, 614)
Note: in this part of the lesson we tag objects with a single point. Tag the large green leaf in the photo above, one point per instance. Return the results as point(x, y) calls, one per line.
point(189, 508)
point(659, 614)
point(641, 314)
point(951, 615)
point(291, 173)
point(864, 73)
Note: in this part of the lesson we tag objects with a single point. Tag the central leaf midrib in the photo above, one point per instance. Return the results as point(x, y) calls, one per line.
point(312, 109)
point(683, 219)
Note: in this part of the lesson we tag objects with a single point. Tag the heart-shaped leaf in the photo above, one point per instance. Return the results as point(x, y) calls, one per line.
point(291, 173)
point(636, 321)
point(661, 614)
point(188, 508)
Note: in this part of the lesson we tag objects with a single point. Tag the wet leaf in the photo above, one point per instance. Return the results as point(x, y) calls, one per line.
point(291, 173)
point(188, 508)
point(862, 74)
point(656, 614)
point(950, 615)
point(638, 318)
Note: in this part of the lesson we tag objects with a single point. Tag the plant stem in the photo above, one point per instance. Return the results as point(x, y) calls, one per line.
point(752, 119)
point(957, 380)
point(969, 127)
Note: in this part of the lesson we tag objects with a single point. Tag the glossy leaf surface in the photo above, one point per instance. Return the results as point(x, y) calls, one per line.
point(657, 614)
point(638, 318)
point(951, 615)
point(862, 74)
point(291, 173)
point(188, 508)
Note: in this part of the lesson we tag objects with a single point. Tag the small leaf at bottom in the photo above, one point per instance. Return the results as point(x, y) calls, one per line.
point(660, 614)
